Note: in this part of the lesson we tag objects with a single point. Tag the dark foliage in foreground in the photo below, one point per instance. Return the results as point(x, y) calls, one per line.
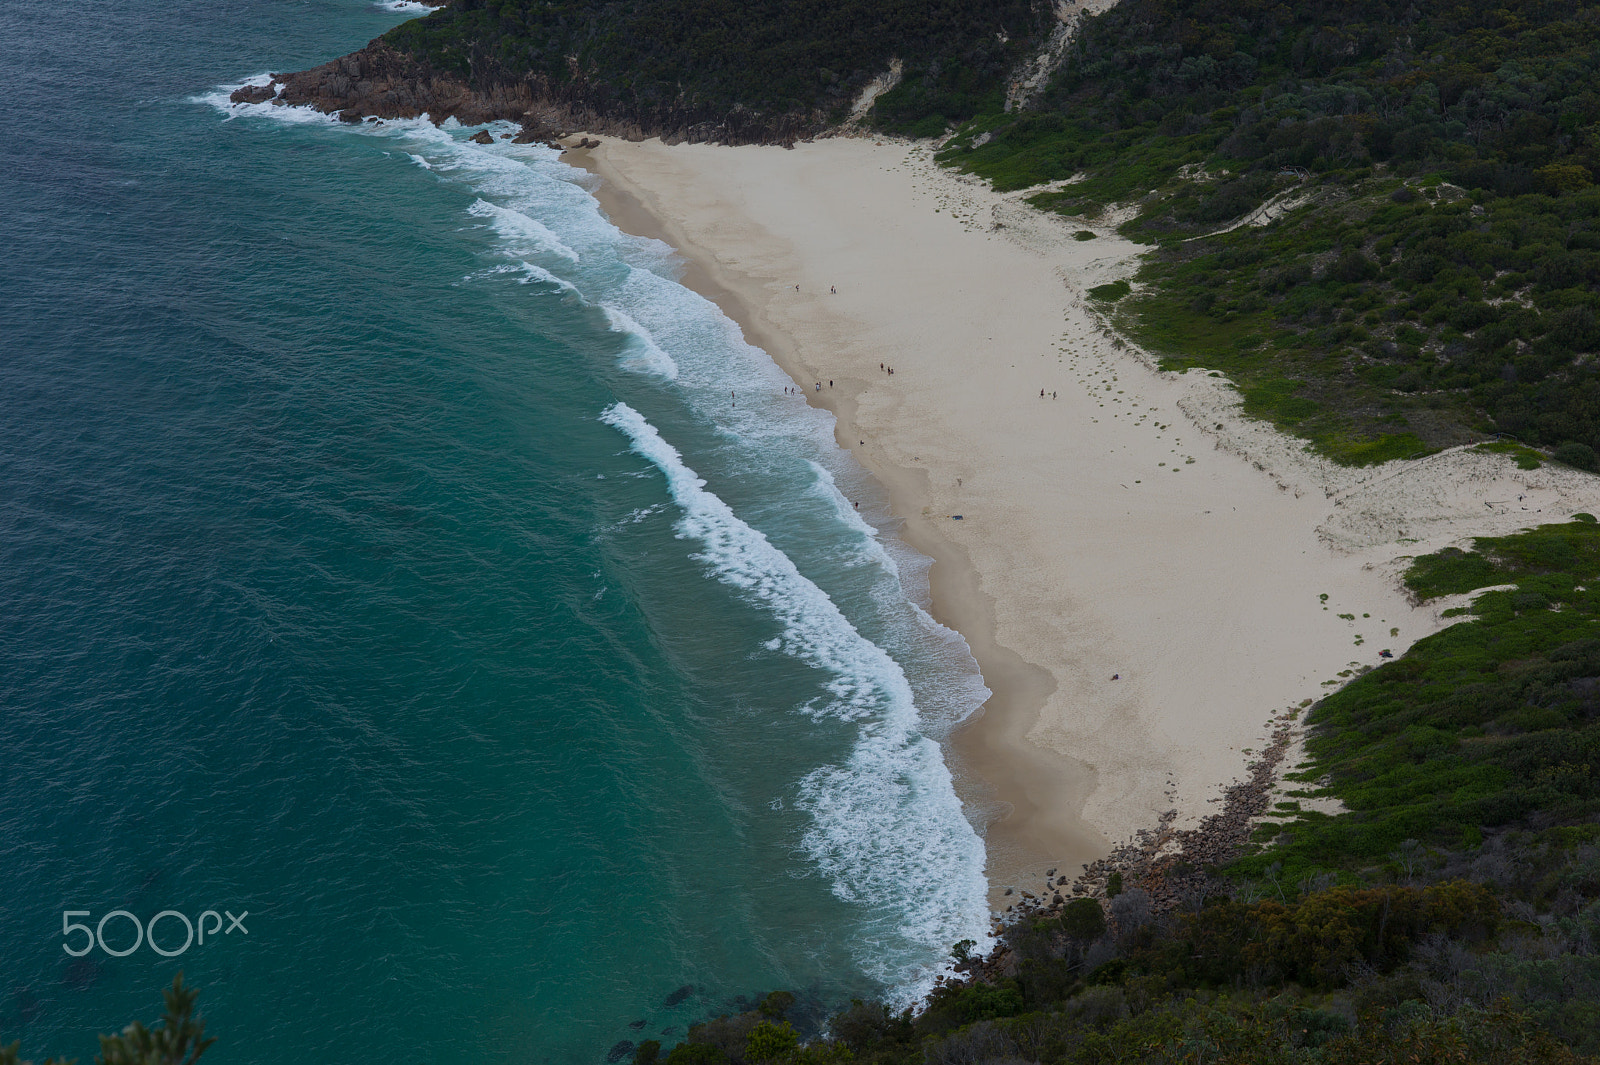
point(179, 1038)
point(1435, 274)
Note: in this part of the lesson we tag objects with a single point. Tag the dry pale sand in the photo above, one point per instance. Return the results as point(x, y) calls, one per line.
point(1144, 576)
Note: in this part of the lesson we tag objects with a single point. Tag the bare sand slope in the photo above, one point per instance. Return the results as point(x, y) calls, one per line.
point(1144, 576)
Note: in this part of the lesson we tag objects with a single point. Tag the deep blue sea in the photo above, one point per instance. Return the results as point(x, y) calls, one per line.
point(381, 556)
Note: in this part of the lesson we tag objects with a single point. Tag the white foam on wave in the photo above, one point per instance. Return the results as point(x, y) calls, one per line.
point(404, 7)
point(534, 274)
point(887, 824)
point(219, 96)
point(644, 354)
point(867, 548)
point(519, 229)
point(957, 688)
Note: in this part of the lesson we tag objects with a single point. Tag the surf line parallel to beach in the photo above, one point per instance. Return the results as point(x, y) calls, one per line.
point(1144, 577)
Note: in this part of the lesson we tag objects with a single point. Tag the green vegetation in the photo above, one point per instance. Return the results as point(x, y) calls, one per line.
point(1526, 457)
point(670, 64)
point(1382, 222)
point(1110, 293)
point(179, 1038)
point(1432, 273)
point(1449, 913)
point(1491, 724)
point(1429, 276)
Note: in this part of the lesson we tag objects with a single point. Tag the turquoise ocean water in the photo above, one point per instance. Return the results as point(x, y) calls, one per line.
point(380, 554)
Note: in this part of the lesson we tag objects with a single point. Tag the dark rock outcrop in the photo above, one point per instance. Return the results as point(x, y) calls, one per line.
point(382, 82)
point(254, 94)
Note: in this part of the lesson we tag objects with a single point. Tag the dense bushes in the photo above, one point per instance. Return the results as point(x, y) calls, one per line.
point(1383, 974)
point(1442, 277)
point(1450, 913)
point(1488, 724)
point(700, 59)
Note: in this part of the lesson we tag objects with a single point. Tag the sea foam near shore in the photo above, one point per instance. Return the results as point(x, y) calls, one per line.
point(886, 829)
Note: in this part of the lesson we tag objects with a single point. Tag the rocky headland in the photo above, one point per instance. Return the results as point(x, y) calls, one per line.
point(382, 82)
point(716, 71)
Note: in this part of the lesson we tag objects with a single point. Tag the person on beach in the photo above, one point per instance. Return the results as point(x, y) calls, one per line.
point(830, 382)
point(833, 290)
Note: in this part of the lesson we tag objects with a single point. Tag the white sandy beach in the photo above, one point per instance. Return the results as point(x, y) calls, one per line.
point(1113, 531)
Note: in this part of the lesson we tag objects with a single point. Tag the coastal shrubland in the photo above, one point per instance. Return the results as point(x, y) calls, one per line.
point(646, 59)
point(1429, 271)
point(1443, 905)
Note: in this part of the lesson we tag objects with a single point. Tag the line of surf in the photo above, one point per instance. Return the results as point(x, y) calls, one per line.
point(887, 823)
point(887, 829)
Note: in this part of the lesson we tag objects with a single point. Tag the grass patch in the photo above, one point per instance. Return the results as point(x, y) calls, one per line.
point(1527, 458)
point(1110, 293)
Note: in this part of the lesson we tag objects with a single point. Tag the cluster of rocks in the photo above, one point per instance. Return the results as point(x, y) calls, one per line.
point(381, 82)
point(1172, 866)
point(1169, 867)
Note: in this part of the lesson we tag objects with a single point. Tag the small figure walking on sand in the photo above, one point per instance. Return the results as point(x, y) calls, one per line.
point(797, 288)
point(833, 290)
point(1116, 676)
point(830, 382)
point(1041, 393)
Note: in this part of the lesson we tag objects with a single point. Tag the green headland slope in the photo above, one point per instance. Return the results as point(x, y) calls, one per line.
point(1431, 271)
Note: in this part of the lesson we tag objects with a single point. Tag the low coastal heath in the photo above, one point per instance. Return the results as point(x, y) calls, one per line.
point(1146, 578)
